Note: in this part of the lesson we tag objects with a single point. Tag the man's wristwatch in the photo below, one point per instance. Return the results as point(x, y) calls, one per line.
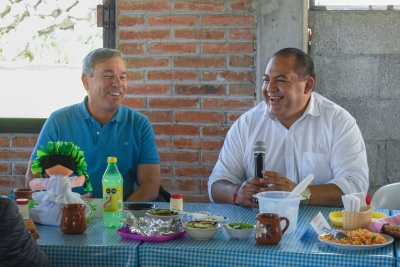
point(307, 195)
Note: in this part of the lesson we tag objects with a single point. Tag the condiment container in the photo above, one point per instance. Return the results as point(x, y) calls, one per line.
point(176, 202)
point(23, 207)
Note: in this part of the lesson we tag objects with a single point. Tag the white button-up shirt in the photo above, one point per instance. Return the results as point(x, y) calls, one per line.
point(325, 141)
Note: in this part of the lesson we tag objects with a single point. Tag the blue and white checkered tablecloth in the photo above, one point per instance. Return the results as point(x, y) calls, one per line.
point(396, 242)
point(97, 246)
point(300, 248)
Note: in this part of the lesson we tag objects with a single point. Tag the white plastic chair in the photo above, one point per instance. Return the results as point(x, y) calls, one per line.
point(387, 197)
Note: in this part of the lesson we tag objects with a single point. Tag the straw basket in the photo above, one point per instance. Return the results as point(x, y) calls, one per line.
point(393, 231)
point(357, 220)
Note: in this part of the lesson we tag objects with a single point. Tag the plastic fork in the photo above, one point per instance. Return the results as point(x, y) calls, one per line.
point(336, 234)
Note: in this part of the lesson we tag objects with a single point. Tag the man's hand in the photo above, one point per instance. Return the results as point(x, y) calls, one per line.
point(252, 186)
point(30, 226)
point(276, 182)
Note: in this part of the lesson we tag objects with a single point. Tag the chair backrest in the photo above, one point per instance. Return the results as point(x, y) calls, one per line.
point(387, 197)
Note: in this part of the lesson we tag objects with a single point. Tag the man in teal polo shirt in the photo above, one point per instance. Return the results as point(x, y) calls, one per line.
point(102, 127)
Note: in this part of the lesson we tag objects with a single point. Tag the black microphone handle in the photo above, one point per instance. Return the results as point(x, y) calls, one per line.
point(259, 163)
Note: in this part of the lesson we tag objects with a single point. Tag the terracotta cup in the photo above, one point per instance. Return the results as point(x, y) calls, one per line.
point(73, 219)
point(23, 193)
point(268, 229)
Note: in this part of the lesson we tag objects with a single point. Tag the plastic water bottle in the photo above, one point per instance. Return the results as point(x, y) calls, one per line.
point(112, 195)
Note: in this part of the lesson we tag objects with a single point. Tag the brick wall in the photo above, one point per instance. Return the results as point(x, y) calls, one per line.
point(191, 70)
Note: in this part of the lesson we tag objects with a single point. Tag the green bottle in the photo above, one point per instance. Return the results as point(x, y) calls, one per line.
point(112, 195)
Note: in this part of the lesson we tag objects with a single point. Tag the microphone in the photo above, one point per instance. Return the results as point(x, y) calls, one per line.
point(259, 149)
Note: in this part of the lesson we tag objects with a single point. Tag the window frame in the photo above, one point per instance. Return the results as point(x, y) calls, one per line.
point(314, 7)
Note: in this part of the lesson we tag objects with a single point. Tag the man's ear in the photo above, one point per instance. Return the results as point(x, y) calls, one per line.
point(85, 81)
point(309, 85)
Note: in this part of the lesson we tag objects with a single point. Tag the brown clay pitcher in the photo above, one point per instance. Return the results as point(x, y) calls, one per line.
point(268, 229)
point(73, 219)
point(23, 193)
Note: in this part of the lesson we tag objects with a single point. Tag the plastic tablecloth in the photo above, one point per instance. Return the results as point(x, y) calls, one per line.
point(97, 246)
point(300, 248)
point(396, 242)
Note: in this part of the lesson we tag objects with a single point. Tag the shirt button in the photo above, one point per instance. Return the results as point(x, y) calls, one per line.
point(98, 132)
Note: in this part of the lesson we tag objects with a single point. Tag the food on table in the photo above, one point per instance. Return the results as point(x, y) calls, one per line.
point(201, 225)
point(162, 212)
point(357, 237)
point(239, 225)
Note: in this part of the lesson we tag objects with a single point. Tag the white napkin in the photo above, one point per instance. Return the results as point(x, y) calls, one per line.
point(351, 203)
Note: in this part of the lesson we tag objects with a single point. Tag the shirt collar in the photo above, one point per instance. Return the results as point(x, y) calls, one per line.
point(84, 112)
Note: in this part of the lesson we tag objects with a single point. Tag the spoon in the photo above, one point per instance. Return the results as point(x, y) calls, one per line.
point(336, 234)
point(301, 186)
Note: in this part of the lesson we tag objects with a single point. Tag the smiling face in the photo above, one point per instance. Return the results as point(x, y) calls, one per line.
point(285, 93)
point(107, 87)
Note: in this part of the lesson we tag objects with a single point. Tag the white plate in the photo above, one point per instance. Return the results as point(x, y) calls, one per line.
point(358, 247)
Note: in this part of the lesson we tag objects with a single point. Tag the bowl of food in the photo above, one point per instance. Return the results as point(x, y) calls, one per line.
point(239, 230)
point(163, 214)
point(139, 209)
point(202, 230)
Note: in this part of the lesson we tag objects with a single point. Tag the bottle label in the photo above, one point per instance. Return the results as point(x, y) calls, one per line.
point(112, 199)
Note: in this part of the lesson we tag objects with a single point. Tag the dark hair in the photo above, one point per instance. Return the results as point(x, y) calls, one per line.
point(97, 56)
point(304, 63)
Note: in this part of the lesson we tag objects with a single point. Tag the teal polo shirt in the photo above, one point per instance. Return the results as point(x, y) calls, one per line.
point(127, 136)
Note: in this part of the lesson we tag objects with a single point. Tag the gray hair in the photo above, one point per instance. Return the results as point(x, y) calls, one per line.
point(97, 56)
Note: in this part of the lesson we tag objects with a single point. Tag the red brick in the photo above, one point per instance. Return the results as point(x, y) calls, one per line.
point(124, 20)
point(143, 34)
point(241, 34)
point(204, 185)
point(21, 141)
point(183, 185)
point(148, 89)
point(134, 102)
point(193, 171)
point(173, 48)
point(202, 34)
point(163, 143)
point(199, 6)
point(210, 89)
point(173, 75)
point(231, 76)
point(199, 62)
point(135, 48)
point(173, 102)
point(20, 168)
point(5, 168)
point(232, 117)
point(242, 5)
point(3, 142)
point(223, 103)
point(157, 115)
point(12, 154)
point(228, 20)
point(197, 143)
point(175, 129)
point(199, 116)
point(154, 6)
point(166, 171)
point(173, 20)
point(196, 198)
point(179, 156)
point(143, 62)
point(228, 48)
point(245, 61)
point(134, 75)
point(12, 182)
point(214, 130)
point(209, 157)
point(241, 89)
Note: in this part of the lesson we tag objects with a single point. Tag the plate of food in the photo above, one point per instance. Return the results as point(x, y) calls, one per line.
point(163, 214)
point(124, 232)
point(336, 217)
point(361, 239)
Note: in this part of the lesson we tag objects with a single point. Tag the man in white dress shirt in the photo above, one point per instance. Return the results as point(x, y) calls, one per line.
point(304, 134)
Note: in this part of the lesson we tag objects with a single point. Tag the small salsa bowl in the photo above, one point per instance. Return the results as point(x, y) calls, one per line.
point(163, 214)
point(239, 230)
point(202, 230)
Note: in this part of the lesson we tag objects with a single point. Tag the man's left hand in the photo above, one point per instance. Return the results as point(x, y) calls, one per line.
point(276, 182)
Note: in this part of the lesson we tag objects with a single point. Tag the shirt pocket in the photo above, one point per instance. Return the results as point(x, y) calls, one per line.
point(318, 165)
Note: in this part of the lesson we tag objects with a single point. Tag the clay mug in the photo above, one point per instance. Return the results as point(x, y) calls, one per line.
point(23, 193)
point(73, 219)
point(268, 228)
